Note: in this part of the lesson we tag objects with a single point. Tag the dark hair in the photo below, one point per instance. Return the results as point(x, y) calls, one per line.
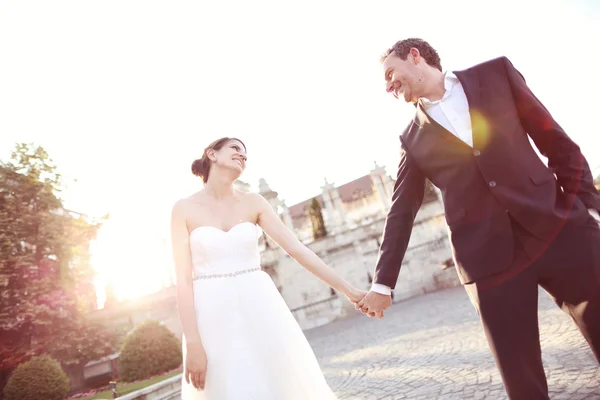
point(402, 48)
point(201, 166)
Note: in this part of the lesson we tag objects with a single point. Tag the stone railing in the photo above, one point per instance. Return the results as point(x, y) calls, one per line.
point(169, 389)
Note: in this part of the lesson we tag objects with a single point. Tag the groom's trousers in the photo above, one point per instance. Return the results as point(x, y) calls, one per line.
point(569, 270)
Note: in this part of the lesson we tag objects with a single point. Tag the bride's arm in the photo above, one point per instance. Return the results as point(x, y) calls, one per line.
point(195, 360)
point(279, 232)
point(180, 242)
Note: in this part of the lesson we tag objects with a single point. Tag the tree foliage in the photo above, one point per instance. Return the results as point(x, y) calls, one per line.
point(316, 218)
point(45, 276)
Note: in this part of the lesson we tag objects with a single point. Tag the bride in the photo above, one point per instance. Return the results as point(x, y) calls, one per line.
point(240, 341)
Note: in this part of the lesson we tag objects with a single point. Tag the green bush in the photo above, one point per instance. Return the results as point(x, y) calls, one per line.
point(150, 349)
point(39, 378)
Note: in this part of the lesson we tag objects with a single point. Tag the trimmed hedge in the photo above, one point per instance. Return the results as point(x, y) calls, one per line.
point(39, 378)
point(150, 349)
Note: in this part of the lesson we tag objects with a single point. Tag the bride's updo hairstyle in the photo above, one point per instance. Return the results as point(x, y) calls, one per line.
point(201, 166)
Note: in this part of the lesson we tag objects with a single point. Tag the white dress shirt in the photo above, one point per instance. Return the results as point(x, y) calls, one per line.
point(451, 112)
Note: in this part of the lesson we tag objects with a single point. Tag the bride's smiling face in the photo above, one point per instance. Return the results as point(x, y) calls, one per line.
point(231, 156)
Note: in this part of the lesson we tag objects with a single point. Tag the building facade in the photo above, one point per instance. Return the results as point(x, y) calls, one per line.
point(354, 216)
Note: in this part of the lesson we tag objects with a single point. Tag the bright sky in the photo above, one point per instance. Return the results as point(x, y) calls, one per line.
point(124, 95)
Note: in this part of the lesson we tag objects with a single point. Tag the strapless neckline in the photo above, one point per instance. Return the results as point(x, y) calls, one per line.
point(221, 230)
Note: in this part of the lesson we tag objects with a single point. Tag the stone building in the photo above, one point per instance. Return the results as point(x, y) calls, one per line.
point(354, 216)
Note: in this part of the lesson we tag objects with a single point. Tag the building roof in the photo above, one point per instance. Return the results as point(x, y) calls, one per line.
point(347, 192)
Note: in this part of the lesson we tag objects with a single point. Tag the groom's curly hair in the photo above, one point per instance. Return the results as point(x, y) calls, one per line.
point(402, 47)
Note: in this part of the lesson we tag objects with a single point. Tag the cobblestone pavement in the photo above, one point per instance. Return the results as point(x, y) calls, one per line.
point(433, 347)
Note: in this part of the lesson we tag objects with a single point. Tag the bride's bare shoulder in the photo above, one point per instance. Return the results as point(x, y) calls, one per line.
point(256, 201)
point(248, 196)
point(182, 205)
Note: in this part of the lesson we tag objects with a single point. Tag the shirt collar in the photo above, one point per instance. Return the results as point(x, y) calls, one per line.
point(449, 81)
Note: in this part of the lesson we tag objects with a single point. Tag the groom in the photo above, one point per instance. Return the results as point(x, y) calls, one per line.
point(514, 223)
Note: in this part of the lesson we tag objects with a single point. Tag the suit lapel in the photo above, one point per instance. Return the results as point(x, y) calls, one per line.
point(471, 84)
point(429, 125)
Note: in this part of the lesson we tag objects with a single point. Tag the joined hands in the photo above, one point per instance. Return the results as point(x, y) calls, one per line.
point(370, 303)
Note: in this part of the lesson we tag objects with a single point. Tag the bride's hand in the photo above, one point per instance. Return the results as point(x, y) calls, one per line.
point(195, 365)
point(355, 295)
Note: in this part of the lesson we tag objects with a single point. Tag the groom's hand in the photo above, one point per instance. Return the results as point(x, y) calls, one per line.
point(373, 304)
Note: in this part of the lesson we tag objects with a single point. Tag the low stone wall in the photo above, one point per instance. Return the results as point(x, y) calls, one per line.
point(353, 254)
point(169, 389)
point(318, 313)
point(423, 272)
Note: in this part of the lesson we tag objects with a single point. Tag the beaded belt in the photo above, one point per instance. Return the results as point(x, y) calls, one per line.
point(228, 274)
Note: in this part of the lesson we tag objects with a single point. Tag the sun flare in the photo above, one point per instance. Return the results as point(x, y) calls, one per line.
point(129, 265)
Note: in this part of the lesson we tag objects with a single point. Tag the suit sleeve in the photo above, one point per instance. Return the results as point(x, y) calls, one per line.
point(407, 198)
point(564, 156)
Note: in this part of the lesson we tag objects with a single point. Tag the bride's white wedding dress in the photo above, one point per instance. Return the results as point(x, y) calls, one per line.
point(254, 346)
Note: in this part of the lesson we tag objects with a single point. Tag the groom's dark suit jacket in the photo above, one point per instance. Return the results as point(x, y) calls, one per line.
point(499, 180)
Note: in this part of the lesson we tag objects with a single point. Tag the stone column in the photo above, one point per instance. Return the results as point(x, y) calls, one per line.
point(378, 176)
point(334, 207)
point(272, 198)
point(328, 210)
point(388, 183)
point(241, 185)
point(270, 195)
point(285, 216)
point(338, 205)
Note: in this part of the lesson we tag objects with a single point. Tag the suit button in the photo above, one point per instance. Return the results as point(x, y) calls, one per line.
point(492, 183)
point(476, 153)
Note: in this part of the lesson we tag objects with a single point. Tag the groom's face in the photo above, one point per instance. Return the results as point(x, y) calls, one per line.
point(403, 78)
